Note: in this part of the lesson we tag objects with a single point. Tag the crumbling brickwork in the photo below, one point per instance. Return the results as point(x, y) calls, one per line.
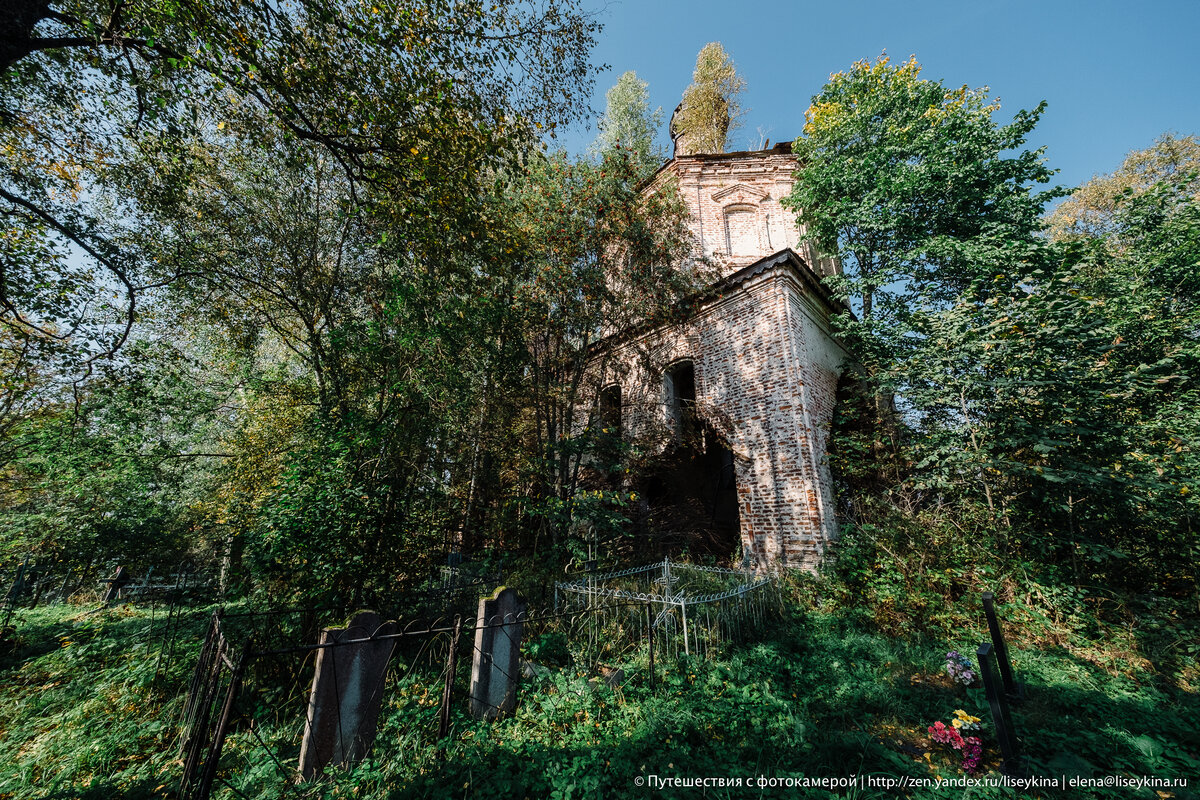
point(734, 202)
point(765, 363)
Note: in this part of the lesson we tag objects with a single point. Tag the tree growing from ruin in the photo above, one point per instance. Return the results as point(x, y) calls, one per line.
point(628, 122)
point(711, 106)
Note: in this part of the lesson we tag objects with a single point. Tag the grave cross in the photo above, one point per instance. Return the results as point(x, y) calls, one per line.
point(1014, 690)
point(998, 703)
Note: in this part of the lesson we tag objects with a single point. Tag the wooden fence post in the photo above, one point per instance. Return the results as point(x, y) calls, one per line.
point(1014, 690)
point(998, 703)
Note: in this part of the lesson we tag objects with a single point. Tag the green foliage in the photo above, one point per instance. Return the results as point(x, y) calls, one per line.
point(329, 517)
point(549, 648)
point(916, 190)
point(628, 122)
point(711, 107)
point(1046, 382)
point(90, 96)
point(336, 219)
point(1092, 209)
point(74, 674)
point(593, 256)
point(92, 482)
point(824, 696)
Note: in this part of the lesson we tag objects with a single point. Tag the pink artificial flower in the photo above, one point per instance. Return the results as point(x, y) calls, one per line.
point(972, 755)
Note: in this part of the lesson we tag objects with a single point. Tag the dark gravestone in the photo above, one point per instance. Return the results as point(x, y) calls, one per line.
point(496, 665)
point(347, 690)
point(116, 583)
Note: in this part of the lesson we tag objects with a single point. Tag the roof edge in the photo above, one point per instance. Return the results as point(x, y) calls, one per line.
point(787, 257)
point(781, 149)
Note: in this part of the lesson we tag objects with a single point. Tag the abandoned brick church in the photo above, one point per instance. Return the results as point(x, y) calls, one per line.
point(753, 373)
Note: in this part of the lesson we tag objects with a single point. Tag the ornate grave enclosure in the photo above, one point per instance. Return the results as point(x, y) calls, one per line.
point(691, 609)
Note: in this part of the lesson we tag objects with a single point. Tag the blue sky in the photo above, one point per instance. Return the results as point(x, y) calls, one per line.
point(1115, 75)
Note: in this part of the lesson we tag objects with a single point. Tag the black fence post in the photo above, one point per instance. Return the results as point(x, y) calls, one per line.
point(999, 707)
point(650, 634)
point(1014, 690)
point(196, 713)
point(15, 592)
point(62, 591)
point(37, 582)
point(448, 688)
point(204, 790)
point(115, 584)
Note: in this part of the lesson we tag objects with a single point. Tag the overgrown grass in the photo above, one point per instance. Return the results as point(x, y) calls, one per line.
point(82, 714)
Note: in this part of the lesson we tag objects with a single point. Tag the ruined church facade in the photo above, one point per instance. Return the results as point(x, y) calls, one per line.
point(756, 364)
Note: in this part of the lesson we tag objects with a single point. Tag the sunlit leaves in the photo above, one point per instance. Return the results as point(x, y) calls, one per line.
point(711, 105)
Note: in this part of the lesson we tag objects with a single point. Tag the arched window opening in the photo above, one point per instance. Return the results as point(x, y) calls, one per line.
point(610, 410)
point(694, 483)
point(742, 231)
point(679, 384)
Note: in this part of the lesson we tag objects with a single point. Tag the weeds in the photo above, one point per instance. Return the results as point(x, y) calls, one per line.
point(84, 714)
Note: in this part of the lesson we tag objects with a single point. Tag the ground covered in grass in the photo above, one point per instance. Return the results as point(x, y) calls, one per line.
point(90, 702)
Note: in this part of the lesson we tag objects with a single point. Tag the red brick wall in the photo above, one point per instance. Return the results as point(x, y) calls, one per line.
point(766, 366)
point(765, 377)
point(736, 198)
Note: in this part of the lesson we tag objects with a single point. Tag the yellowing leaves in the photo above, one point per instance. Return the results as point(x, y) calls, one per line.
point(821, 116)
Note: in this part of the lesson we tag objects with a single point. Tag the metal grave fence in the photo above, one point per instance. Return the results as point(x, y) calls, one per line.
point(693, 609)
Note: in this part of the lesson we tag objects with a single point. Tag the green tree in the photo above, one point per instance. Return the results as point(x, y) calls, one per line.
point(105, 106)
point(1076, 391)
point(113, 472)
point(360, 349)
point(922, 196)
point(268, 244)
point(628, 122)
point(309, 186)
point(1047, 383)
point(914, 186)
point(1092, 209)
point(1145, 279)
point(711, 106)
point(597, 257)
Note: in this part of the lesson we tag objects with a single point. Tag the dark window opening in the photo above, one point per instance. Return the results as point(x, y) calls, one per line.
point(680, 385)
point(610, 410)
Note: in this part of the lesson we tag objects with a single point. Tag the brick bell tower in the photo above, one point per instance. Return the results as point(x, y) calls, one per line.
point(757, 361)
